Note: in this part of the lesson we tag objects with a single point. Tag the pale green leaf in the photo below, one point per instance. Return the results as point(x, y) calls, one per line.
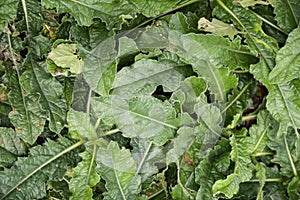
point(287, 60)
point(80, 123)
point(100, 67)
point(217, 27)
point(84, 177)
point(185, 137)
point(287, 14)
point(189, 91)
point(146, 155)
point(37, 80)
point(249, 3)
point(179, 193)
point(184, 23)
point(144, 76)
point(27, 178)
point(117, 168)
point(144, 117)
point(261, 175)
point(65, 55)
point(294, 188)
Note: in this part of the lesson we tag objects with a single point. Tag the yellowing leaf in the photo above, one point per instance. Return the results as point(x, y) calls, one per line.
point(65, 56)
point(217, 27)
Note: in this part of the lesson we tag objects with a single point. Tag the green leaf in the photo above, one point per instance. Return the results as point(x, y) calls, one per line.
point(84, 12)
point(146, 155)
point(117, 168)
point(27, 115)
point(261, 175)
point(284, 105)
point(241, 149)
point(65, 55)
point(84, 177)
point(37, 80)
point(151, 8)
point(286, 149)
point(287, 60)
point(144, 76)
point(183, 23)
point(219, 51)
point(217, 27)
point(185, 137)
point(27, 178)
point(293, 188)
point(144, 117)
point(8, 11)
point(80, 123)
point(287, 14)
point(100, 67)
point(189, 91)
point(212, 168)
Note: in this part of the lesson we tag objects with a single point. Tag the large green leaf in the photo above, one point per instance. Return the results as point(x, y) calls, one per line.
point(37, 80)
point(144, 76)
point(287, 60)
point(117, 168)
point(84, 177)
point(100, 67)
point(27, 178)
point(85, 11)
point(8, 11)
point(27, 116)
point(287, 14)
point(144, 117)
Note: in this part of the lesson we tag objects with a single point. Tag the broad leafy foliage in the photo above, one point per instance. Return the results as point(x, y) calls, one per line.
point(145, 99)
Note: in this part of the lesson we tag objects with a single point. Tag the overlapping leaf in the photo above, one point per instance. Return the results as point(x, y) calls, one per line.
point(8, 11)
point(144, 117)
point(117, 168)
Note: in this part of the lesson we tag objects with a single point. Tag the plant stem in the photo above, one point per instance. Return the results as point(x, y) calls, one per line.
point(156, 194)
point(111, 132)
point(270, 23)
point(249, 117)
point(267, 180)
point(262, 154)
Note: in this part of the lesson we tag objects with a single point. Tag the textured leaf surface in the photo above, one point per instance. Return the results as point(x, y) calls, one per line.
point(37, 80)
point(27, 116)
point(65, 56)
point(211, 169)
point(144, 76)
point(151, 8)
point(85, 11)
point(117, 168)
point(287, 60)
point(80, 123)
point(146, 155)
point(217, 27)
point(27, 178)
point(241, 149)
point(143, 117)
point(287, 14)
point(85, 177)
point(100, 68)
point(7, 12)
